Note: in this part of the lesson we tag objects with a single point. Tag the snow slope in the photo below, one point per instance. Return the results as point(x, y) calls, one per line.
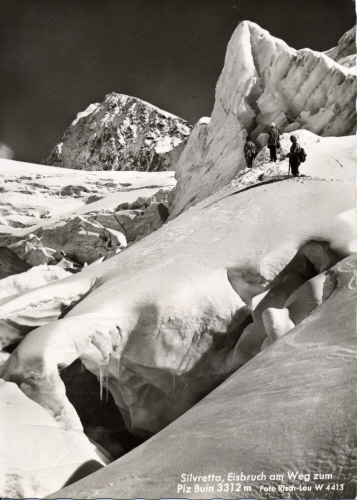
point(263, 81)
point(35, 277)
point(170, 310)
point(42, 210)
point(121, 133)
point(29, 191)
point(290, 409)
point(327, 157)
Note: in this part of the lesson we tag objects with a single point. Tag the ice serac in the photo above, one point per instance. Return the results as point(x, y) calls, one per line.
point(291, 408)
point(170, 318)
point(263, 81)
point(345, 52)
point(37, 455)
point(121, 133)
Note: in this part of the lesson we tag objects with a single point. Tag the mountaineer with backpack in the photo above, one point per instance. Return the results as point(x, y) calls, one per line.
point(250, 151)
point(296, 156)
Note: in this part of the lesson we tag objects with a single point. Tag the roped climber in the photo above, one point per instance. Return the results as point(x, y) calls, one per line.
point(250, 151)
point(294, 156)
point(273, 141)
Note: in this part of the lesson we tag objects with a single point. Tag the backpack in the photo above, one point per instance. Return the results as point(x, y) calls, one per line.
point(250, 150)
point(302, 155)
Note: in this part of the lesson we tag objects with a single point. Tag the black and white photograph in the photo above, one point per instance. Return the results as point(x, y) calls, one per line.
point(177, 249)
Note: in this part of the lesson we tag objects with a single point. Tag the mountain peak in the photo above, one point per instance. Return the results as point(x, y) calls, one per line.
point(121, 133)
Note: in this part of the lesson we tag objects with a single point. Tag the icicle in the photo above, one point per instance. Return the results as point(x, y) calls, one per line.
point(82, 365)
point(101, 382)
point(106, 381)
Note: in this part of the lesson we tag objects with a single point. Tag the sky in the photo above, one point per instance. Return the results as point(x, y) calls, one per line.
point(59, 56)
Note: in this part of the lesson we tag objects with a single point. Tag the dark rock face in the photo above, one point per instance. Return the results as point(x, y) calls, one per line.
point(11, 264)
point(121, 133)
point(80, 240)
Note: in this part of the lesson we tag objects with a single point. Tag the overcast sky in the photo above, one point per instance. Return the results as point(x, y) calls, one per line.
point(58, 56)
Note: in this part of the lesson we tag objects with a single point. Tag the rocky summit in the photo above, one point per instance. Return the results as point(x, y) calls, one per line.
point(121, 133)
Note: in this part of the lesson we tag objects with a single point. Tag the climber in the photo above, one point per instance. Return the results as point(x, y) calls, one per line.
point(273, 141)
point(294, 156)
point(250, 151)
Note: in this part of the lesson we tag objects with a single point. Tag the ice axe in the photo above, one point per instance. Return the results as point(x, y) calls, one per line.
point(287, 156)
